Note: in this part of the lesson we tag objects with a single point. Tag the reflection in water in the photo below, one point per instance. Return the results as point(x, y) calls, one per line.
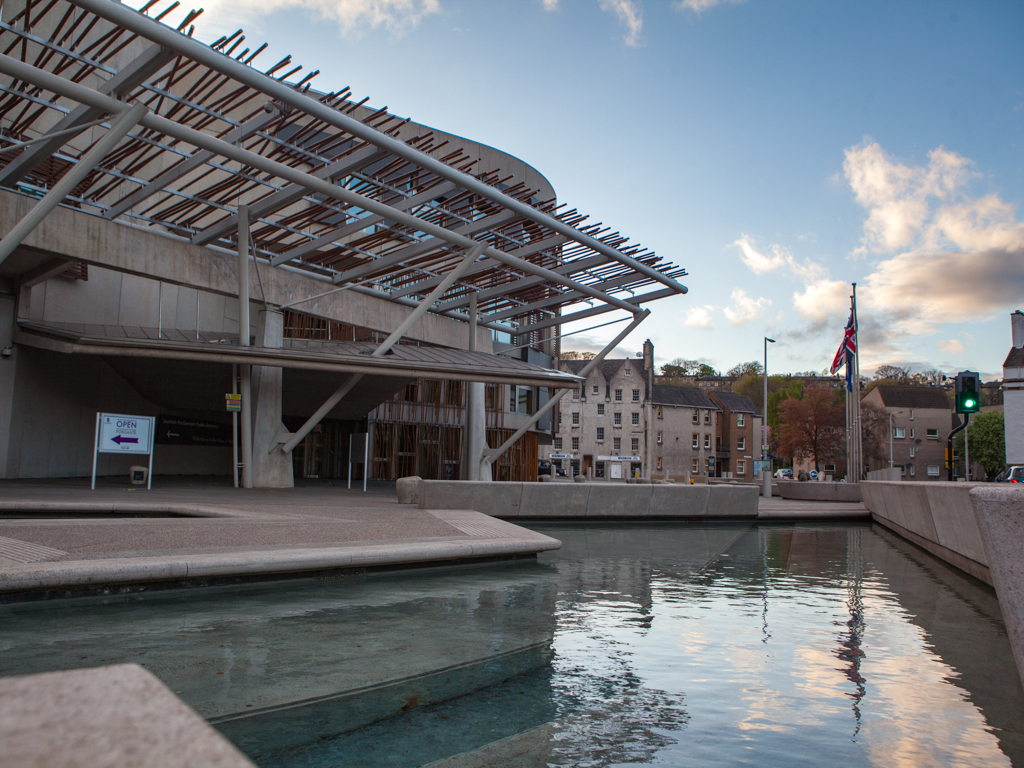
point(659, 644)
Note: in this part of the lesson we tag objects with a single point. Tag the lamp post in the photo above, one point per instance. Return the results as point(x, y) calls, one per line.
point(890, 436)
point(766, 476)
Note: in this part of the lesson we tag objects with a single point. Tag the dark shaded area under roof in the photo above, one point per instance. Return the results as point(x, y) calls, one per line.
point(688, 396)
point(735, 403)
point(913, 397)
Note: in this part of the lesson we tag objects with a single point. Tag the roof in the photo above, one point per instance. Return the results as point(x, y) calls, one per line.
point(913, 397)
point(736, 403)
point(688, 396)
point(607, 367)
point(1015, 359)
point(344, 192)
point(407, 360)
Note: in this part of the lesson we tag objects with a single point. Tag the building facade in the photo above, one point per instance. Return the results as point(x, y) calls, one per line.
point(920, 420)
point(736, 443)
point(1013, 392)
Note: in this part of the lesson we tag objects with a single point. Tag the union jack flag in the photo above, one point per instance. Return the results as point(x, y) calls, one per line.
point(849, 346)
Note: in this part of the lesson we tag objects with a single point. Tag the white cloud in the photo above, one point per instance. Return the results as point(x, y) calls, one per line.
point(550, 5)
point(745, 309)
point(629, 15)
point(950, 345)
point(822, 301)
point(699, 317)
point(698, 6)
point(353, 17)
point(756, 261)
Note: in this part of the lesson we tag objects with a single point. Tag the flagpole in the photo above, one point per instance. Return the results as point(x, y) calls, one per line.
point(857, 444)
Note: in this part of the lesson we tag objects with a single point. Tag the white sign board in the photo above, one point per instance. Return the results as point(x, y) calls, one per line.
point(120, 433)
point(125, 434)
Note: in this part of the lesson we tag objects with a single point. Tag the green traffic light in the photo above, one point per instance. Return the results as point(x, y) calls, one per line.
point(968, 403)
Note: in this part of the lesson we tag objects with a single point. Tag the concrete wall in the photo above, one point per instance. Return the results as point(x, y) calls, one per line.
point(936, 516)
point(590, 500)
point(794, 489)
point(53, 421)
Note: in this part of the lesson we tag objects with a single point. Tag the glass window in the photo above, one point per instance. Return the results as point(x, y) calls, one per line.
point(707, 441)
point(618, 395)
point(911, 431)
point(695, 466)
point(661, 412)
point(628, 371)
point(600, 409)
point(512, 398)
point(558, 443)
point(618, 419)
point(830, 468)
point(596, 389)
point(741, 467)
point(575, 394)
point(525, 404)
point(575, 443)
point(575, 419)
point(913, 450)
point(741, 444)
point(636, 395)
point(636, 420)
point(659, 462)
point(696, 416)
point(617, 444)
point(600, 434)
point(933, 470)
point(659, 438)
point(696, 440)
point(707, 417)
point(911, 414)
point(932, 434)
point(635, 444)
point(741, 419)
point(898, 432)
point(911, 468)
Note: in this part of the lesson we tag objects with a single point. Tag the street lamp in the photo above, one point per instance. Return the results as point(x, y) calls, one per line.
point(766, 477)
point(890, 436)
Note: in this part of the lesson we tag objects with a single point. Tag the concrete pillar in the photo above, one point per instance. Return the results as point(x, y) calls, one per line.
point(476, 414)
point(272, 467)
point(8, 366)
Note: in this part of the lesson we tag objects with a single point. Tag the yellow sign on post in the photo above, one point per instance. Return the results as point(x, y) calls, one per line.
point(233, 402)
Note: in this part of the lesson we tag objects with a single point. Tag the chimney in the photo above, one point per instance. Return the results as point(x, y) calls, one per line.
point(649, 354)
point(1017, 328)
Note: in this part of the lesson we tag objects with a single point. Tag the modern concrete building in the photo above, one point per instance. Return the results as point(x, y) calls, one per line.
point(178, 225)
point(920, 419)
point(1013, 392)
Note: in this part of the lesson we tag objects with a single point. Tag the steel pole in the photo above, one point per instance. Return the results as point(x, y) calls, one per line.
point(243, 340)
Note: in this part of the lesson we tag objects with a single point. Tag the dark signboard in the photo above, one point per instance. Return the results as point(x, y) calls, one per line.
point(175, 430)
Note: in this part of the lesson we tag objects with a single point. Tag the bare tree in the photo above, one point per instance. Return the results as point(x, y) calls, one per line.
point(892, 373)
point(571, 355)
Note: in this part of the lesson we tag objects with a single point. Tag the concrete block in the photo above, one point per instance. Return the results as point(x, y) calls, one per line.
point(916, 512)
point(556, 499)
point(100, 718)
point(616, 500)
point(679, 500)
point(732, 501)
point(490, 498)
point(409, 489)
point(956, 528)
point(1000, 516)
point(820, 491)
point(579, 479)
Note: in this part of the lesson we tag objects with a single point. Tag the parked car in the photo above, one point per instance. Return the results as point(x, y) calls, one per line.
point(559, 472)
point(544, 467)
point(1012, 474)
point(784, 474)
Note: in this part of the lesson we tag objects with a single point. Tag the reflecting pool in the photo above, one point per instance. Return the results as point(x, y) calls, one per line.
point(658, 644)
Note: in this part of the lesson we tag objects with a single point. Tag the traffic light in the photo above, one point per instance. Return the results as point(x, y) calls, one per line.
point(968, 392)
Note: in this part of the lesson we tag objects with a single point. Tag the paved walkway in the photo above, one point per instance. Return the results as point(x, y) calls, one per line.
point(777, 508)
point(197, 529)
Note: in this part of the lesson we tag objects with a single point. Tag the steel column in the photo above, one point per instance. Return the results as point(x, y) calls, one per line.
point(243, 340)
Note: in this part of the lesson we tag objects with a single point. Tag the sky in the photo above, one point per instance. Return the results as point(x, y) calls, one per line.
point(779, 150)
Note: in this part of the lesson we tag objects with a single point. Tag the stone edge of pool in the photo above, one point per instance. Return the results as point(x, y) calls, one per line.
point(483, 538)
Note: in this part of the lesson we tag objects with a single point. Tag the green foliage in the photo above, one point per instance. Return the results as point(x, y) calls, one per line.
point(683, 367)
point(987, 435)
point(571, 355)
point(742, 369)
point(787, 389)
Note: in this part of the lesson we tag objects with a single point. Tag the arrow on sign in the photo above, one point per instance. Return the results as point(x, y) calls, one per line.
point(119, 439)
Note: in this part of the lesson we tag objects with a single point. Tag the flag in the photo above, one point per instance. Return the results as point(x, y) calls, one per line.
point(849, 371)
point(848, 348)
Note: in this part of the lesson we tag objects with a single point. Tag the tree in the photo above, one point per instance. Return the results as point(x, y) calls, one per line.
point(706, 370)
point(874, 434)
point(740, 369)
point(570, 355)
point(893, 373)
point(752, 385)
point(680, 367)
point(987, 433)
point(812, 427)
point(789, 388)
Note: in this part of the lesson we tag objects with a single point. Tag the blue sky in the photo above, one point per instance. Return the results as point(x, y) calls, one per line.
point(777, 150)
